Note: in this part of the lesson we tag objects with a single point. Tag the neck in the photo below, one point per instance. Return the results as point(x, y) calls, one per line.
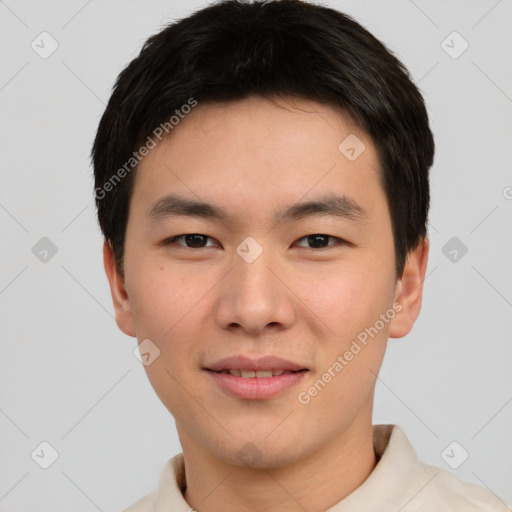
point(315, 482)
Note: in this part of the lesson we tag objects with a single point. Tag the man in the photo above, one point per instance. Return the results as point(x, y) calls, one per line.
point(262, 185)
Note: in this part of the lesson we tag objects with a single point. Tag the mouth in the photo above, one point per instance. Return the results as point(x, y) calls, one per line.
point(255, 365)
point(255, 379)
point(258, 374)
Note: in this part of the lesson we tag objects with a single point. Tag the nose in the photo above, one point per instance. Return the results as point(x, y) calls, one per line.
point(254, 298)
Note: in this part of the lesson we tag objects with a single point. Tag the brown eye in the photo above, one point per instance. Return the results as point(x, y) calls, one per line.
point(190, 241)
point(195, 241)
point(318, 241)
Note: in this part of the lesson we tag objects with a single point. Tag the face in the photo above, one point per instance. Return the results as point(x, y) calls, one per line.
point(272, 301)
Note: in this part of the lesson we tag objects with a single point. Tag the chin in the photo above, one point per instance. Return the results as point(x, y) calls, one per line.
point(260, 450)
point(254, 456)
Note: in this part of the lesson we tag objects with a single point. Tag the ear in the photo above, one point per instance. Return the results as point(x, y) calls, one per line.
point(120, 297)
point(409, 290)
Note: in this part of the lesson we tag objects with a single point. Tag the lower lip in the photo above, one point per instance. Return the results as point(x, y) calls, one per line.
point(256, 388)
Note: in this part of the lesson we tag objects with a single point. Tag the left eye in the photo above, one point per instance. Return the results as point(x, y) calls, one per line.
point(318, 241)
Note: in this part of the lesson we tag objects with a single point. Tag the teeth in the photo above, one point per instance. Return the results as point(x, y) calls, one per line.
point(251, 374)
point(263, 373)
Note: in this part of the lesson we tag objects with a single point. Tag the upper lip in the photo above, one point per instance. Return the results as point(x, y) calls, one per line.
point(260, 363)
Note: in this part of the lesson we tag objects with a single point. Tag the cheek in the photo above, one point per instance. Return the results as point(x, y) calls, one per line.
point(170, 308)
point(159, 298)
point(347, 301)
point(163, 305)
point(350, 359)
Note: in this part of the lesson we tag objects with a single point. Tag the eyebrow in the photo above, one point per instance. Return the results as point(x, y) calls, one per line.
point(333, 205)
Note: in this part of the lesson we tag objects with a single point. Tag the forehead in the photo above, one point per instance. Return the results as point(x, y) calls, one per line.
point(267, 123)
point(260, 150)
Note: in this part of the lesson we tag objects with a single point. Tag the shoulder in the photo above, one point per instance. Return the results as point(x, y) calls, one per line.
point(445, 492)
point(403, 482)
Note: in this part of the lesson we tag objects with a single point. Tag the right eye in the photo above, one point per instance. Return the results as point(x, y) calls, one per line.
point(189, 241)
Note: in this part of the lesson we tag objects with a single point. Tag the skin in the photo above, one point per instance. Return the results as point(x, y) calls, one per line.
point(307, 305)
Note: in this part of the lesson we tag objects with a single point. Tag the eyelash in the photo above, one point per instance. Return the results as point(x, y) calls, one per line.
point(173, 241)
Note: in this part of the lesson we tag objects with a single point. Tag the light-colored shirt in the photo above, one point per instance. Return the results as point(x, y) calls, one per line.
point(399, 482)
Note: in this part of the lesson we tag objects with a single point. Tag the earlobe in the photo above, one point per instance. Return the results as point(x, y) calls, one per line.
point(409, 290)
point(120, 297)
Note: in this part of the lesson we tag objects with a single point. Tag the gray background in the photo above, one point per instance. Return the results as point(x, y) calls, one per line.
point(69, 377)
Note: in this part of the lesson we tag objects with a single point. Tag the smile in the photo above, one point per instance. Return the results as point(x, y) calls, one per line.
point(258, 374)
